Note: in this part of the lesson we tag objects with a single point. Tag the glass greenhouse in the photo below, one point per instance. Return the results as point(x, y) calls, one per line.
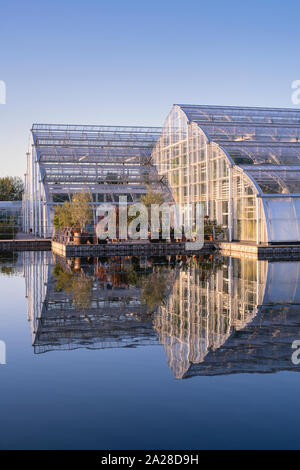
point(105, 161)
point(242, 163)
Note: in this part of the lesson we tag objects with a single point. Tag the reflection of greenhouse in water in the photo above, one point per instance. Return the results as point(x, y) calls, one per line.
point(241, 317)
point(212, 317)
point(95, 307)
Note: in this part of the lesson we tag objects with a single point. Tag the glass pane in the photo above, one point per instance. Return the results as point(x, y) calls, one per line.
point(282, 217)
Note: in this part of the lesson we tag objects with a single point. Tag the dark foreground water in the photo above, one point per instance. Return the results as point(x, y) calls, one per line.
point(128, 353)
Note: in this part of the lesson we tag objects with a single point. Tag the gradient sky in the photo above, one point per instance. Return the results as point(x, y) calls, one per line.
point(127, 62)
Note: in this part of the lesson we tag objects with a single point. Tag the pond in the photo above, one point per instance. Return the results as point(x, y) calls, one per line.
point(149, 353)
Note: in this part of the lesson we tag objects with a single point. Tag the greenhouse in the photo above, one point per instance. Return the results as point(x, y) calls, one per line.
point(105, 161)
point(242, 163)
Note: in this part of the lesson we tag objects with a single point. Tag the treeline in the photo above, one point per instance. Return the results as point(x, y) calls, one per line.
point(11, 188)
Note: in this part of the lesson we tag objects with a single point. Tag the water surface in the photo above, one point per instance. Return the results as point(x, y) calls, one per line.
point(165, 353)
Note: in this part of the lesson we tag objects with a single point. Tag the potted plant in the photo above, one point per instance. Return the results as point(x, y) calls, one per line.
point(82, 214)
point(208, 232)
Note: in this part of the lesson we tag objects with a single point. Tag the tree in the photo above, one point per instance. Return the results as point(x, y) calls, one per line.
point(154, 291)
point(80, 286)
point(82, 291)
point(63, 216)
point(80, 210)
point(75, 214)
point(152, 198)
point(11, 188)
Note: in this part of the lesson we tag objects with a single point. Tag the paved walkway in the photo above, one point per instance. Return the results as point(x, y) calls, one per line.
point(27, 236)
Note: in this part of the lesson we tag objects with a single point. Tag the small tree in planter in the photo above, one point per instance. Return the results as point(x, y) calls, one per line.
point(74, 215)
point(150, 198)
point(213, 231)
point(208, 231)
point(81, 212)
point(63, 217)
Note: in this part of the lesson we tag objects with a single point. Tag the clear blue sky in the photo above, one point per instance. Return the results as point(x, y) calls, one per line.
point(127, 62)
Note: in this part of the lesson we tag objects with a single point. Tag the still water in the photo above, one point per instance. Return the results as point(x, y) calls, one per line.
point(157, 353)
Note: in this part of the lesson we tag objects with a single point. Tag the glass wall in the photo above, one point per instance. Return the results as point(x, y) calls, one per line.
point(199, 170)
point(237, 161)
point(283, 215)
point(107, 162)
point(244, 207)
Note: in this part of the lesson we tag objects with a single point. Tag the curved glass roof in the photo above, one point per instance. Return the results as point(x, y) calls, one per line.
point(241, 114)
point(272, 180)
point(274, 154)
point(234, 124)
point(264, 142)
